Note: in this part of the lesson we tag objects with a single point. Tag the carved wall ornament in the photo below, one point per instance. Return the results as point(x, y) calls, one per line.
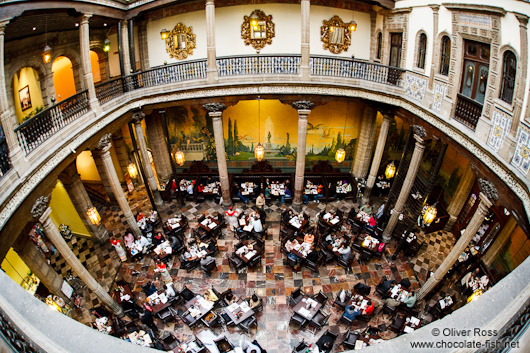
point(180, 42)
point(488, 189)
point(335, 34)
point(104, 141)
point(306, 105)
point(214, 107)
point(40, 206)
point(419, 131)
point(257, 30)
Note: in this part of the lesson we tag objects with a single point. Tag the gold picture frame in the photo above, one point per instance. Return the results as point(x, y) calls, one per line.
point(257, 29)
point(180, 42)
point(335, 34)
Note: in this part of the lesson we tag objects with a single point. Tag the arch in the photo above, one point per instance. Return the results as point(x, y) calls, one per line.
point(445, 54)
point(63, 78)
point(102, 60)
point(379, 45)
point(420, 50)
point(75, 58)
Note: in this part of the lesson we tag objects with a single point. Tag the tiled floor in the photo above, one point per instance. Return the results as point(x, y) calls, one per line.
point(273, 281)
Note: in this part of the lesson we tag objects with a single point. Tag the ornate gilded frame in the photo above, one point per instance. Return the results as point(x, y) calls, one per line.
point(172, 42)
point(246, 30)
point(333, 24)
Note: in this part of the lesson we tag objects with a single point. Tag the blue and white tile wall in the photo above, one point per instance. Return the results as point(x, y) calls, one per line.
point(521, 158)
point(499, 129)
point(415, 87)
point(438, 96)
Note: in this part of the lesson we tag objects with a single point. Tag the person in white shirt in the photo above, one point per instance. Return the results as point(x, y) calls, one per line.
point(345, 252)
point(189, 188)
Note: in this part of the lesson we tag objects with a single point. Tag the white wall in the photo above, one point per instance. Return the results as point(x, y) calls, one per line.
point(360, 39)
point(114, 57)
point(445, 21)
point(508, 5)
point(157, 46)
point(287, 28)
point(420, 19)
point(510, 32)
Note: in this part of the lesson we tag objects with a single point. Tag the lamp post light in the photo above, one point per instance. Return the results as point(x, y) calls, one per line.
point(430, 214)
point(94, 216)
point(390, 170)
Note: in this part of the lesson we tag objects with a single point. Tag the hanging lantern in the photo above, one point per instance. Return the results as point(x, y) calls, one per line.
point(94, 216)
point(179, 157)
point(340, 155)
point(164, 33)
point(47, 54)
point(259, 152)
point(390, 170)
point(133, 171)
point(352, 26)
point(106, 45)
point(430, 214)
point(475, 295)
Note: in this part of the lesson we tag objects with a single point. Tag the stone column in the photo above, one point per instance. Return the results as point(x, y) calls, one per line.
point(88, 78)
point(304, 108)
point(417, 154)
point(124, 48)
point(157, 140)
point(463, 241)
point(77, 192)
point(215, 111)
point(142, 45)
point(103, 176)
point(121, 151)
point(210, 42)
point(146, 162)
point(9, 119)
point(38, 264)
point(132, 53)
point(305, 71)
point(518, 95)
point(103, 148)
point(499, 242)
point(435, 53)
point(42, 211)
point(364, 148)
point(460, 197)
point(379, 149)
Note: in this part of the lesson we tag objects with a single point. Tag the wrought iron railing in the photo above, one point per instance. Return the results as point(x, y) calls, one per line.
point(467, 111)
point(33, 132)
point(351, 68)
point(15, 338)
point(186, 71)
point(109, 90)
point(258, 64)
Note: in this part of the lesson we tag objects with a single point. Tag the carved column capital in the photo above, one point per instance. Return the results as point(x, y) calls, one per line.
point(69, 174)
point(85, 18)
point(435, 8)
point(419, 131)
point(488, 189)
point(303, 105)
point(523, 19)
point(40, 206)
point(214, 107)
point(137, 117)
point(105, 143)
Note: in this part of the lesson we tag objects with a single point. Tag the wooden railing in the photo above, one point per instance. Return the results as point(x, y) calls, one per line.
point(259, 64)
point(350, 68)
point(33, 132)
point(467, 111)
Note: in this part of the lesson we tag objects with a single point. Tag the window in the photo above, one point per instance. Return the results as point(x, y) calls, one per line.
point(396, 40)
point(422, 48)
point(445, 55)
point(379, 45)
point(509, 66)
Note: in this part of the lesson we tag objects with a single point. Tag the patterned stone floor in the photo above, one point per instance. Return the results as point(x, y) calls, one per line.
point(272, 280)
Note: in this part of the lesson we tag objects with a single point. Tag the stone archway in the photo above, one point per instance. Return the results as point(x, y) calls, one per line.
point(102, 65)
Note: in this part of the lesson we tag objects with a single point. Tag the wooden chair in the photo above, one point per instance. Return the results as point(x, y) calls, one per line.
point(342, 304)
point(296, 296)
point(350, 339)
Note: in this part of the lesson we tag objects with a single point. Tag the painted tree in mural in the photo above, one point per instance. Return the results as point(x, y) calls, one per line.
point(237, 143)
point(230, 141)
point(176, 119)
point(269, 137)
point(285, 150)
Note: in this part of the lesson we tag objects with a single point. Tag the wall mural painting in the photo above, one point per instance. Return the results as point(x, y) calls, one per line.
point(275, 125)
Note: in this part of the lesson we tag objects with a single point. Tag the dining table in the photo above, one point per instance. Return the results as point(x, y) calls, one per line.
point(209, 224)
point(199, 307)
point(158, 302)
point(248, 251)
point(239, 311)
point(411, 323)
point(307, 307)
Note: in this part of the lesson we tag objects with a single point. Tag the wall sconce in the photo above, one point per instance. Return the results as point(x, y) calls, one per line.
point(340, 155)
point(106, 45)
point(94, 216)
point(259, 152)
point(133, 171)
point(164, 33)
point(179, 157)
point(47, 54)
point(430, 214)
point(390, 170)
point(352, 26)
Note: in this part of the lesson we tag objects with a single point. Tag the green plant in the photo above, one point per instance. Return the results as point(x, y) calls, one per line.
point(34, 112)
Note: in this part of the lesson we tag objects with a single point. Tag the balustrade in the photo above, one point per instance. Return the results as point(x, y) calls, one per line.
point(259, 64)
point(467, 111)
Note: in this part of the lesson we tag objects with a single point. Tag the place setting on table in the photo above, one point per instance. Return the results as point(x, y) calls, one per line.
point(176, 223)
point(298, 221)
point(140, 338)
point(331, 219)
point(158, 301)
point(163, 251)
point(198, 307)
point(239, 312)
point(307, 307)
point(248, 250)
point(411, 323)
point(398, 293)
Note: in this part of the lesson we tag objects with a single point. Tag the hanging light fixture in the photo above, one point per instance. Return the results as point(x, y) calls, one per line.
point(340, 154)
point(47, 52)
point(133, 171)
point(390, 170)
point(94, 216)
point(179, 157)
point(352, 26)
point(259, 151)
point(106, 45)
point(430, 214)
point(164, 33)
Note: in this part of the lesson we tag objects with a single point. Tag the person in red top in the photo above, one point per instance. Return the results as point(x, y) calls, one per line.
point(200, 188)
point(319, 193)
point(372, 221)
point(139, 216)
point(173, 186)
point(369, 309)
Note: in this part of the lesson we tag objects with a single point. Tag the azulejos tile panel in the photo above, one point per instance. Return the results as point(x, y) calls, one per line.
point(415, 87)
point(522, 149)
point(499, 128)
point(438, 96)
